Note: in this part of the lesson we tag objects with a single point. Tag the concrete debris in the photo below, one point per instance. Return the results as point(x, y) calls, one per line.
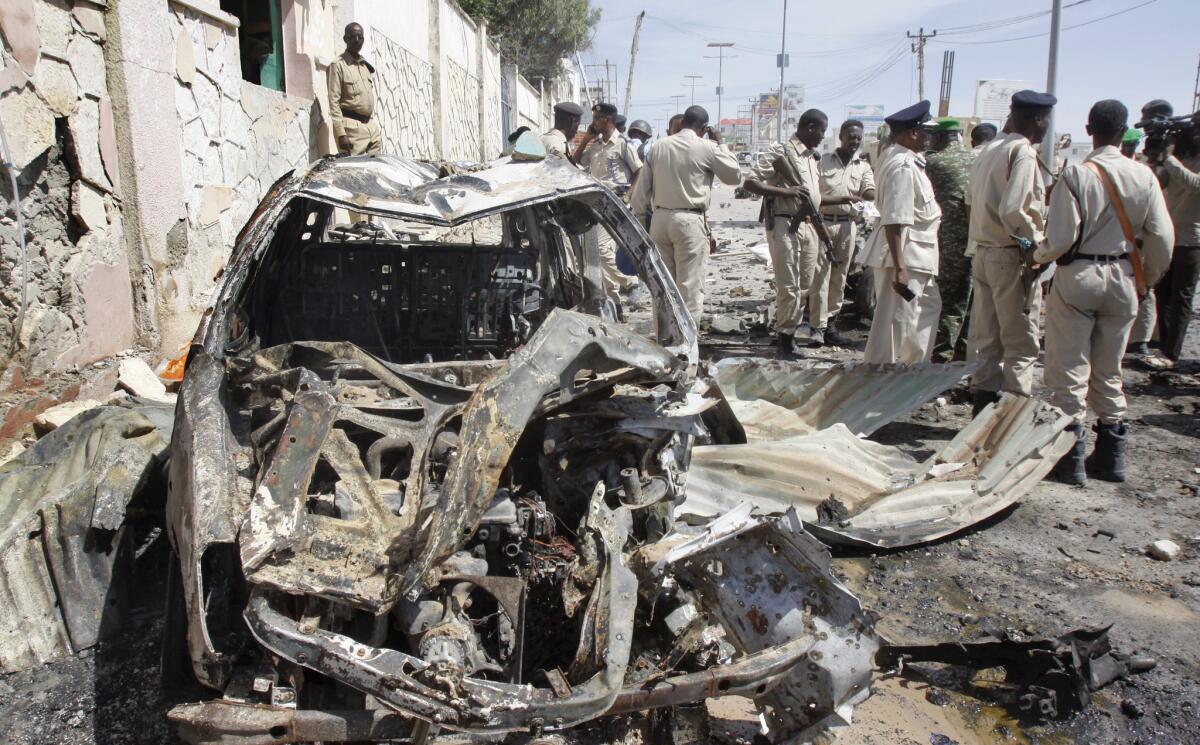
point(135, 376)
point(726, 325)
point(56, 416)
point(1163, 550)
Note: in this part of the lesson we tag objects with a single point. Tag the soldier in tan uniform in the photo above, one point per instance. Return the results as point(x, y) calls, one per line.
point(608, 156)
point(847, 181)
point(903, 249)
point(676, 184)
point(566, 126)
point(352, 98)
point(1007, 203)
point(1092, 233)
point(783, 174)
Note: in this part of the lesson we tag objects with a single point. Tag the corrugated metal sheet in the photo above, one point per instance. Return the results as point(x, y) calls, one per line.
point(863, 397)
point(56, 500)
point(891, 500)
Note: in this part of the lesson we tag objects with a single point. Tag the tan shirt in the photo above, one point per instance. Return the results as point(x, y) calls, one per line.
point(905, 197)
point(773, 171)
point(1183, 199)
point(1007, 194)
point(1080, 207)
point(679, 173)
point(555, 142)
point(350, 89)
point(840, 180)
point(613, 162)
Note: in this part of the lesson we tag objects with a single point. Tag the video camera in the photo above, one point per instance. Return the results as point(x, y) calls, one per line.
point(1159, 131)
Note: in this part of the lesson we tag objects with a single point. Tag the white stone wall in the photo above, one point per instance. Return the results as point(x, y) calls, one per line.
point(494, 139)
point(58, 122)
point(236, 139)
point(404, 99)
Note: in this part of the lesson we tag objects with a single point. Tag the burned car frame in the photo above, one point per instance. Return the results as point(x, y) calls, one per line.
point(426, 482)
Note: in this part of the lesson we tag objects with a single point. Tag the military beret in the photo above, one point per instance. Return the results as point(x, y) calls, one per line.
point(1028, 99)
point(569, 108)
point(605, 109)
point(947, 124)
point(619, 120)
point(1132, 136)
point(908, 118)
point(1158, 109)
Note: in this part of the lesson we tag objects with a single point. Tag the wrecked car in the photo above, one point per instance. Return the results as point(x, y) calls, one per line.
point(422, 482)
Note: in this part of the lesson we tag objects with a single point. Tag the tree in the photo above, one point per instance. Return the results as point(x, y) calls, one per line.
point(536, 34)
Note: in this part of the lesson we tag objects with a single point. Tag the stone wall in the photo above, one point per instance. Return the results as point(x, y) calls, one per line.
point(58, 122)
point(405, 104)
point(236, 139)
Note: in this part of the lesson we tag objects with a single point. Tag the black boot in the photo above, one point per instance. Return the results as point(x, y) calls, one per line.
point(787, 345)
point(1069, 469)
point(981, 399)
point(1107, 461)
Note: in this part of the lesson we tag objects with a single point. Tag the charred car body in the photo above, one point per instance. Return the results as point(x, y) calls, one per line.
point(421, 481)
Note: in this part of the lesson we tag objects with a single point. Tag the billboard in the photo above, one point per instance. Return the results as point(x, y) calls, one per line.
point(867, 113)
point(768, 108)
point(993, 97)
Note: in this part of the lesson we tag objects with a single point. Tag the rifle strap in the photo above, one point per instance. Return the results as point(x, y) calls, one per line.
point(1135, 255)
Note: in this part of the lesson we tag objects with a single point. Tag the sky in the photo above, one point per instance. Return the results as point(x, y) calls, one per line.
point(1143, 49)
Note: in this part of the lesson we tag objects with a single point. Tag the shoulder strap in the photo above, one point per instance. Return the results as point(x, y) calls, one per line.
point(1135, 256)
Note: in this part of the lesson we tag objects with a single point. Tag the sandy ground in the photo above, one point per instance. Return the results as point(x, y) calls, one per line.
point(1037, 570)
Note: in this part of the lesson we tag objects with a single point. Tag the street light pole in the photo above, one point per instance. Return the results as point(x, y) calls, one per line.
point(782, 64)
point(694, 78)
point(1050, 142)
point(721, 46)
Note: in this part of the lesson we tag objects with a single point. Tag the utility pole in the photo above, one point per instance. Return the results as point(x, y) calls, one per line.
point(1050, 142)
point(1196, 94)
point(783, 63)
point(918, 47)
point(721, 46)
point(947, 78)
point(637, 31)
point(753, 122)
point(694, 78)
point(677, 100)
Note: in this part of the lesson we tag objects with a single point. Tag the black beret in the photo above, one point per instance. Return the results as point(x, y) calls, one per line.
point(905, 119)
point(619, 120)
point(1032, 100)
point(568, 107)
point(605, 109)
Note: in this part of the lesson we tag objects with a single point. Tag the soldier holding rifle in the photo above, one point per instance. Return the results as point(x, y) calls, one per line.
point(788, 178)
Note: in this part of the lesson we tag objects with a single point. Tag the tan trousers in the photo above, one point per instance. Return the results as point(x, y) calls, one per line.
point(829, 278)
point(1089, 313)
point(1147, 317)
point(614, 279)
point(903, 331)
point(364, 138)
point(1004, 338)
point(682, 240)
point(794, 259)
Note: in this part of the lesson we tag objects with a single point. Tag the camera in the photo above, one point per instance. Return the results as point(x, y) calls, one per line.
point(1159, 131)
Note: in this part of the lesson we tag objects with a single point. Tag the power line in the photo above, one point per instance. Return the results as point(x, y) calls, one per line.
point(1064, 28)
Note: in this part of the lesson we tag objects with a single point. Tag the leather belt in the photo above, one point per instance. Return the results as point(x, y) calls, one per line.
point(1102, 258)
point(700, 210)
point(356, 116)
point(837, 218)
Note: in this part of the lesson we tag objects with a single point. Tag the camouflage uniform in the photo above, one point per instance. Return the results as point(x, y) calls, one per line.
point(948, 170)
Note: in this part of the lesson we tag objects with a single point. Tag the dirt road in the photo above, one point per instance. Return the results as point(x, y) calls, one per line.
point(1045, 567)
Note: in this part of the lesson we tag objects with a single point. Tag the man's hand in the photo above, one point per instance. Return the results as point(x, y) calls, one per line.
point(713, 134)
point(854, 199)
point(900, 284)
point(343, 143)
point(798, 192)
